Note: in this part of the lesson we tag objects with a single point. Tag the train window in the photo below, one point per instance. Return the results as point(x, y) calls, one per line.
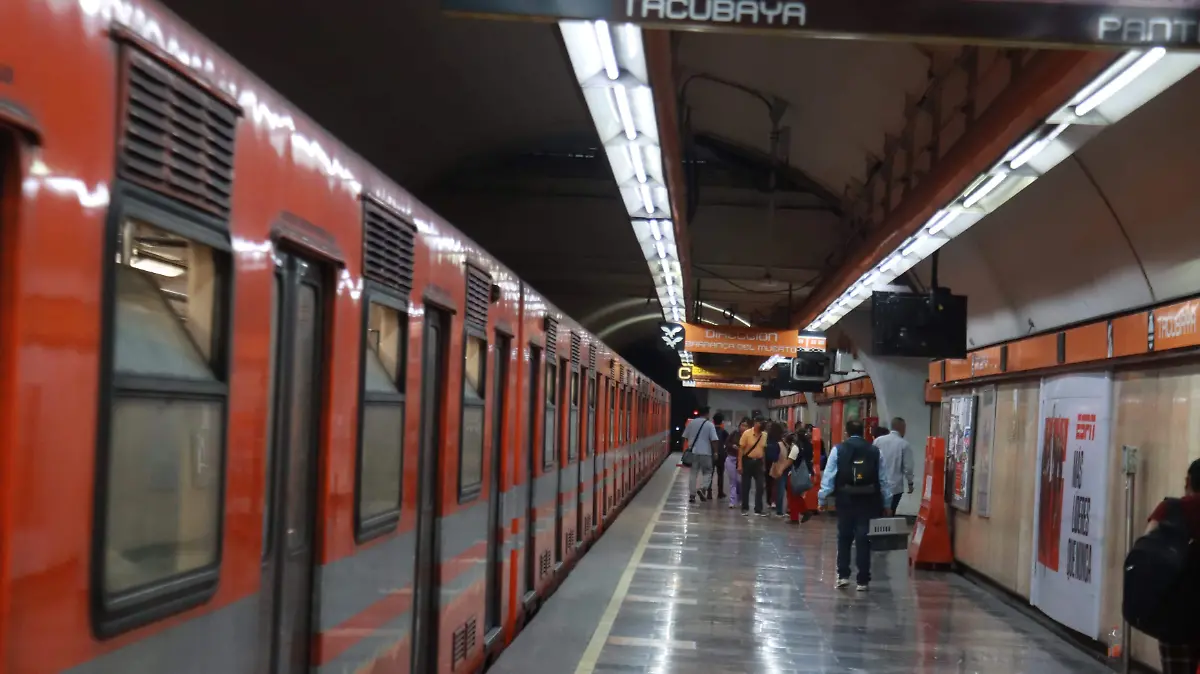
point(470, 464)
point(162, 465)
point(381, 438)
point(573, 429)
point(612, 415)
point(550, 429)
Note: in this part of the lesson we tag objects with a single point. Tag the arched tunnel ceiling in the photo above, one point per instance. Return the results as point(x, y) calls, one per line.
point(483, 121)
point(1113, 229)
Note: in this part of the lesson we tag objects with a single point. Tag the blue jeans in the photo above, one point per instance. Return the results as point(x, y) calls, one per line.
point(854, 521)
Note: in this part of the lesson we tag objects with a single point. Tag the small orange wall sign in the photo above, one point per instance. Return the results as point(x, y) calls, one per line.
point(735, 340)
point(723, 385)
point(1175, 326)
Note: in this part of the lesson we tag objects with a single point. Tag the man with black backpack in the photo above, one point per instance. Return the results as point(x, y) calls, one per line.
point(1162, 579)
point(853, 477)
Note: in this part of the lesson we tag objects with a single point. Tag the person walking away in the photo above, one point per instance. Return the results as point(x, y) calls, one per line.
point(731, 462)
point(896, 455)
point(799, 457)
point(719, 456)
point(853, 477)
point(771, 457)
point(752, 449)
point(700, 435)
point(1180, 652)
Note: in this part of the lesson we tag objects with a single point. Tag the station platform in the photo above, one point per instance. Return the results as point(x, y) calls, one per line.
point(697, 588)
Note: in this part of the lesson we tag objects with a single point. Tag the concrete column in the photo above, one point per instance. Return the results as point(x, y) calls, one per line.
point(900, 392)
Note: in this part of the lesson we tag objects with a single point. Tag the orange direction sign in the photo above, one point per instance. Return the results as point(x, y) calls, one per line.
point(735, 340)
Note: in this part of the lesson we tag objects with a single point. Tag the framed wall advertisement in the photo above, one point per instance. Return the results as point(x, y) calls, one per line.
point(985, 439)
point(960, 448)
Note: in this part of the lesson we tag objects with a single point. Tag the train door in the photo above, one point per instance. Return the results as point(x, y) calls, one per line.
point(573, 455)
point(610, 460)
point(426, 580)
point(556, 462)
point(298, 349)
point(495, 578)
point(592, 390)
point(531, 562)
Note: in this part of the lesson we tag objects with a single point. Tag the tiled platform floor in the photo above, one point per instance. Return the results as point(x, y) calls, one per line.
point(715, 593)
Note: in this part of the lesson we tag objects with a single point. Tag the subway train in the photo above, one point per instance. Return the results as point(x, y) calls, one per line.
point(264, 412)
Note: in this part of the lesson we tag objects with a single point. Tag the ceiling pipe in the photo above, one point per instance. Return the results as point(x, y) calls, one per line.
point(1047, 81)
point(626, 322)
point(589, 321)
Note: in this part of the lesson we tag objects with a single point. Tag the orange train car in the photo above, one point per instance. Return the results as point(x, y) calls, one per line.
point(264, 412)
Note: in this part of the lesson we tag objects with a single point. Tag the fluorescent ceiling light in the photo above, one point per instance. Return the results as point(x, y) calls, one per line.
point(1036, 148)
point(609, 64)
point(607, 55)
point(647, 199)
point(1120, 81)
point(153, 266)
point(941, 220)
point(623, 109)
point(984, 189)
point(635, 157)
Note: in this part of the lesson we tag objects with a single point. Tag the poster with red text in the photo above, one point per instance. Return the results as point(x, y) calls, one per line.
point(1071, 499)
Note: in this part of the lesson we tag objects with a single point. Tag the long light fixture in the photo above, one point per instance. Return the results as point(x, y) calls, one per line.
point(609, 63)
point(1103, 102)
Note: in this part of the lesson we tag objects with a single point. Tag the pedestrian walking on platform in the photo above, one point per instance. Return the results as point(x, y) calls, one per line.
point(853, 477)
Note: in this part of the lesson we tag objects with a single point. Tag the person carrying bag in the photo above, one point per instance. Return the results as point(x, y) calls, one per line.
point(751, 453)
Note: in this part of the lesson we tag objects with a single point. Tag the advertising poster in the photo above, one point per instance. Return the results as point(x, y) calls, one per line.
point(960, 444)
point(985, 438)
point(1073, 458)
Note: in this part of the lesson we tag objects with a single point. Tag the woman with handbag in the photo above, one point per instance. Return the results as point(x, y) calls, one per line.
point(795, 480)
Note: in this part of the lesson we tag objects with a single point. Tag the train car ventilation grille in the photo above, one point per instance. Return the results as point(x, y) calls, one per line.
point(388, 248)
point(463, 642)
point(570, 539)
point(587, 524)
point(545, 564)
point(176, 137)
point(479, 287)
point(592, 357)
point(551, 336)
point(576, 348)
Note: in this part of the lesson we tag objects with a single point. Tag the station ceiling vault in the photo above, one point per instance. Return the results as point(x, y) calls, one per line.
point(789, 160)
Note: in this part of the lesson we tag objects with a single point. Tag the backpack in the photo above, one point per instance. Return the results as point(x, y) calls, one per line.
point(858, 470)
point(1159, 590)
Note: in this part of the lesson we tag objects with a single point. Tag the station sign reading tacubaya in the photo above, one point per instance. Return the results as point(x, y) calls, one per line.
point(1122, 23)
point(735, 340)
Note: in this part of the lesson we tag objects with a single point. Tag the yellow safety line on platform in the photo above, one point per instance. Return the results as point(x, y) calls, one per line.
point(591, 656)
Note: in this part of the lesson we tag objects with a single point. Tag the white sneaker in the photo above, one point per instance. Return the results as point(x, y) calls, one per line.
point(732, 505)
point(861, 588)
point(842, 582)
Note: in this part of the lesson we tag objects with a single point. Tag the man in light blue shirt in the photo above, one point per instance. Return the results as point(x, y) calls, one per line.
point(854, 476)
point(896, 455)
point(700, 436)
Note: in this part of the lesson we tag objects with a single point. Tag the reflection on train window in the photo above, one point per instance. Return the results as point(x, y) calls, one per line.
point(470, 464)
point(162, 497)
point(550, 428)
point(382, 437)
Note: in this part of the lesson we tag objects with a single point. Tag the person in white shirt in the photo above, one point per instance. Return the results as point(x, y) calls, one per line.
point(700, 436)
point(896, 456)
